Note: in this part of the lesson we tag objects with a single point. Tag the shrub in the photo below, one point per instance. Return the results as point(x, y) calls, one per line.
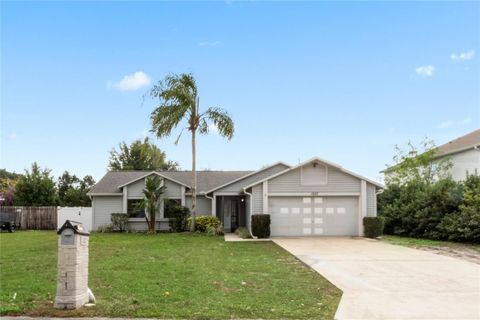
point(105, 228)
point(119, 221)
point(204, 222)
point(373, 226)
point(212, 231)
point(243, 233)
point(177, 216)
point(465, 224)
point(416, 209)
point(261, 225)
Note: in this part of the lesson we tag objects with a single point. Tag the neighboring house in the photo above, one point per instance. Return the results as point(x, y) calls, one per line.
point(464, 153)
point(315, 197)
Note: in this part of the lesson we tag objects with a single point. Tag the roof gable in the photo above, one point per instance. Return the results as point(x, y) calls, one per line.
point(322, 161)
point(156, 173)
point(250, 178)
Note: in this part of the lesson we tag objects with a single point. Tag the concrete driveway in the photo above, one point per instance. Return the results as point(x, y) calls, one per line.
point(383, 281)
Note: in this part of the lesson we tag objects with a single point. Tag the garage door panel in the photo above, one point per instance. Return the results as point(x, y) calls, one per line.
point(305, 216)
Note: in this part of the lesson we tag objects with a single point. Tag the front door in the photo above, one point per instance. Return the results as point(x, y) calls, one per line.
point(234, 214)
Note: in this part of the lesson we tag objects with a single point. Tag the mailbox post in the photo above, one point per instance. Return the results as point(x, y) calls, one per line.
point(72, 285)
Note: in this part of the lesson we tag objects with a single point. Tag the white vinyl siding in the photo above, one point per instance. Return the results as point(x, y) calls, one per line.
point(371, 200)
point(257, 192)
point(173, 190)
point(204, 205)
point(135, 189)
point(338, 182)
point(464, 162)
point(239, 185)
point(103, 207)
point(313, 174)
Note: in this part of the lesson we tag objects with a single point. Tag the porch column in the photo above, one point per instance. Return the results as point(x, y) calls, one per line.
point(162, 201)
point(182, 195)
point(214, 205)
point(265, 197)
point(125, 198)
point(362, 212)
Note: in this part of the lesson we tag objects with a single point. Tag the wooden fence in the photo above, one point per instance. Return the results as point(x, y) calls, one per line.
point(32, 218)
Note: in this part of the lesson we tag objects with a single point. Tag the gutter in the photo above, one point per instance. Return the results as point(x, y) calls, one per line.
point(205, 195)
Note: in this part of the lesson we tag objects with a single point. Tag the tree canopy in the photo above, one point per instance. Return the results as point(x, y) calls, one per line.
point(140, 155)
point(8, 180)
point(36, 188)
point(72, 191)
point(417, 164)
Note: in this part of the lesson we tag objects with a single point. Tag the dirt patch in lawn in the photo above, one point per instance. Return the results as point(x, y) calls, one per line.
point(468, 254)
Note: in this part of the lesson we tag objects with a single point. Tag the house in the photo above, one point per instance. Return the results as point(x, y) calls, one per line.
point(464, 154)
point(315, 197)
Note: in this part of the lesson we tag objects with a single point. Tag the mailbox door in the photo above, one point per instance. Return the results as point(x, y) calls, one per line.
point(67, 237)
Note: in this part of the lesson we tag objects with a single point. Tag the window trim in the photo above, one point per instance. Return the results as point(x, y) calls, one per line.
point(179, 199)
point(314, 184)
point(144, 211)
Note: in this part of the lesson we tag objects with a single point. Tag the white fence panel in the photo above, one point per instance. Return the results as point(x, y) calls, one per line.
point(79, 214)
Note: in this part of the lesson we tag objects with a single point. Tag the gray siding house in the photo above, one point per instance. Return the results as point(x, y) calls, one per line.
point(314, 198)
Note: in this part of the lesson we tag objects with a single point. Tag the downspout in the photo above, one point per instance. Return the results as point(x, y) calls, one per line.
point(211, 198)
point(251, 204)
point(380, 191)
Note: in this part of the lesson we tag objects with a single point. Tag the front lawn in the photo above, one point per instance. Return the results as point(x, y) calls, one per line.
point(166, 276)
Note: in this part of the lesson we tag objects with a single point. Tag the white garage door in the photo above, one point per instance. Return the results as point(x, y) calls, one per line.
point(314, 216)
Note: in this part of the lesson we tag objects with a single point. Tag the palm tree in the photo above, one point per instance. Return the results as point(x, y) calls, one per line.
point(179, 100)
point(152, 195)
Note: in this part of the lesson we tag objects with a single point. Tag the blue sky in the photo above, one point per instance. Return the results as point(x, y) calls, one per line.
point(345, 81)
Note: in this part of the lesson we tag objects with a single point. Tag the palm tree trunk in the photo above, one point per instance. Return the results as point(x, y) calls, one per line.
point(153, 220)
point(194, 182)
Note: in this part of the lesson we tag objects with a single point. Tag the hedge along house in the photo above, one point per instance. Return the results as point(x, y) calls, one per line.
point(315, 197)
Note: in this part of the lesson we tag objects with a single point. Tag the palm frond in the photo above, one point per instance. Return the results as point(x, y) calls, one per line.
point(177, 95)
point(222, 120)
point(203, 126)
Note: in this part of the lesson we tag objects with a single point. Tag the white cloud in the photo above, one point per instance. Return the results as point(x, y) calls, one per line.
point(462, 56)
point(132, 82)
point(12, 135)
point(425, 71)
point(209, 43)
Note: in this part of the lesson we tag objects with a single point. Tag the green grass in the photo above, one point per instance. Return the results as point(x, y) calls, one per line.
point(166, 276)
point(418, 243)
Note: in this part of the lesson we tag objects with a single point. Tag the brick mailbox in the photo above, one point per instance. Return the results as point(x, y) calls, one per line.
point(72, 286)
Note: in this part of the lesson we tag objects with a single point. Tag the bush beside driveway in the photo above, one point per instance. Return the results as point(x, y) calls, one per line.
point(167, 276)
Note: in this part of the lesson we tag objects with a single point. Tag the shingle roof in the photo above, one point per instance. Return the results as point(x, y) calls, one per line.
point(206, 180)
point(467, 141)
